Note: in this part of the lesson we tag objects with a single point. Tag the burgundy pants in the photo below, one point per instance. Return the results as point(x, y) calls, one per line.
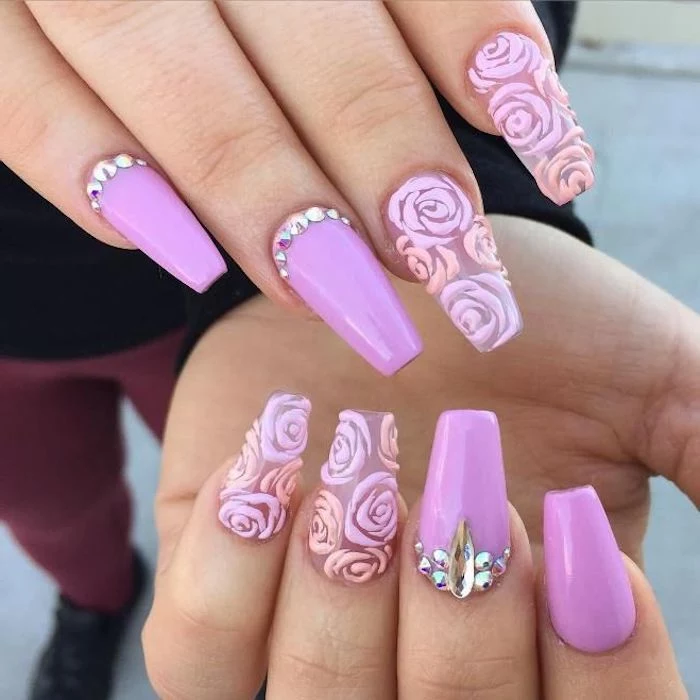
point(62, 491)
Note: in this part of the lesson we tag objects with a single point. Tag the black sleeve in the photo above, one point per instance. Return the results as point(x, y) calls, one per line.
point(506, 188)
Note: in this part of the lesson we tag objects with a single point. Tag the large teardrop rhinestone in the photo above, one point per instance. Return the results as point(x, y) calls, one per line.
point(460, 568)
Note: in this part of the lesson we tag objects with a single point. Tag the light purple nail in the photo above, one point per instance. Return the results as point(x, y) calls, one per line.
point(464, 534)
point(588, 591)
point(355, 518)
point(451, 250)
point(255, 496)
point(329, 266)
point(146, 210)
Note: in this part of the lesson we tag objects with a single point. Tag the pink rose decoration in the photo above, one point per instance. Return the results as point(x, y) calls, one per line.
point(435, 266)
point(506, 56)
point(251, 515)
point(483, 309)
point(372, 514)
point(431, 210)
point(284, 427)
point(246, 468)
point(282, 481)
point(569, 171)
point(532, 123)
point(351, 446)
point(480, 246)
point(357, 567)
point(326, 529)
point(389, 442)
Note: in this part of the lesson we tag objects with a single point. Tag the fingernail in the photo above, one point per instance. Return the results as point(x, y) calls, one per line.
point(588, 591)
point(329, 266)
point(353, 526)
point(144, 208)
point(528, 105)
point(452, 252)
point(464, 536)
point(254, 499)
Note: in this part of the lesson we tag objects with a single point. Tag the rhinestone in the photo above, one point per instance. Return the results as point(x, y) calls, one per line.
point(506, 553)
point(315, 214)
point(95, 204)
point(424, 565)
point(441, 557)
point(280, 256)
point(345, 220)
point(498, 567)
point(332, 214)
point(104, 170)
point(123, 160)
point(483, 561)
point(439, 578)
point(93, 189)
point(139, 161)
point(302, 222)
point(483, 581)
point(418, 546)
point(294, 228)
point(284, 274)
point(460, 570)
point(285, 239)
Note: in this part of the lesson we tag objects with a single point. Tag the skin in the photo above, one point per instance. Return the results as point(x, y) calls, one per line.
point(601, 388)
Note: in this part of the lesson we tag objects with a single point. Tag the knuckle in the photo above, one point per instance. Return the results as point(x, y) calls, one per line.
point(373, 100)
point(232, 152)
point(453, 676)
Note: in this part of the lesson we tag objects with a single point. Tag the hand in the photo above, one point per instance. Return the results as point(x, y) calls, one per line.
point(258, 112)
point(602, 388)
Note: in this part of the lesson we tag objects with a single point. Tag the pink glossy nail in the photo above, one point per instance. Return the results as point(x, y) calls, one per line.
point(145, 209)
point(588, 591)
point(329, 266)
point(255, 495)
point(464, 535)
point(451, 250)
point(528, 105)
point(353, 527)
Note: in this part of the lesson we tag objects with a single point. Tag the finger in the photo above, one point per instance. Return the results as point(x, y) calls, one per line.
point(599, 604)
point(54, 127)
point(236, 159)
point(474, 636)
point(511, 87)
point(335, 624)
point(372, 121)
point(206, 635)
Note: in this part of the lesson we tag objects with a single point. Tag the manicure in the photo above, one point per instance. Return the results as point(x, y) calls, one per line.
point(451, 251)
point(329, 266)
point(464, 536)
point(588, 591)
point(255, 496)
point(528, 105)
point(144, 208)
point(354, 523)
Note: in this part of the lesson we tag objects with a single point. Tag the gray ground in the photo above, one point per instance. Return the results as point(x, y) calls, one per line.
point(644, 211)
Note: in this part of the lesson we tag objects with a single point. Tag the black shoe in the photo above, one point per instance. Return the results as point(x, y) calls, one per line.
point(78, 662)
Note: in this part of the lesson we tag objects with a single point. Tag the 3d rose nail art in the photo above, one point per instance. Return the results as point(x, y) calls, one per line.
point(355, 518)
point(530, 108)
point(451, 250)
point(254, 499)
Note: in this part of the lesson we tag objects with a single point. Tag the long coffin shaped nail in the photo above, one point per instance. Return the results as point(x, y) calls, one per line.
point(329, 266)
point(254, 498)
point(528, 105)
point(144, 208)
point(451, 251)
point(464, 537)
point(589, 596)
point(353, 526)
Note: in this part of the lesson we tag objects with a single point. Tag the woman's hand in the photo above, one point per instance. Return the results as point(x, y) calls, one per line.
point(277, 121)
point(602, 388)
